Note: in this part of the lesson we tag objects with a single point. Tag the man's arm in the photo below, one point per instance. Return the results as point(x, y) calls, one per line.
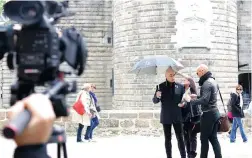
point(206, 94)
point(155, 99)
point(29, 151)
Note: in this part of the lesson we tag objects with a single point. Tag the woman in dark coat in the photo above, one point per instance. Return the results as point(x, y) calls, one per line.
point(237, 113)
point(191, 118)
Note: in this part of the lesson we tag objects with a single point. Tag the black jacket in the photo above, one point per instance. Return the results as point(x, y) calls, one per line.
point(235, 106)
point(208, 93)
point(31, 151)
point(191, 113)
point(172, 94)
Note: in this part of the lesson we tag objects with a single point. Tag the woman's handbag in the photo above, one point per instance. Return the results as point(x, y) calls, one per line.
point(224, 124)
point(79, 107)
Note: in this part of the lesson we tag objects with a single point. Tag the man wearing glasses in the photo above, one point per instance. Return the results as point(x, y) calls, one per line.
point(170, 94)
point(211, 115)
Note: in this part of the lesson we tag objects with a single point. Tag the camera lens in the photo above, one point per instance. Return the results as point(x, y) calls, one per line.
point(29, 11)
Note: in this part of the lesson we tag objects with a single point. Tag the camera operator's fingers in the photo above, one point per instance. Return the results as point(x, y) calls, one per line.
point(15, 109)
point(40, 106)
point(39, 128)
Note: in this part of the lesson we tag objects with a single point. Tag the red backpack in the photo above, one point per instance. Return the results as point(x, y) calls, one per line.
point(79, 107)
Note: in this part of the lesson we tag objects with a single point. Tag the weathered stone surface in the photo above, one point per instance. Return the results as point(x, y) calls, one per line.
point(67, 119)
point(109, 123)
point(146, 115)
point(156, 124)
point(126, 123)
point(61, 124)
point(2, 115)
point(104, 115)
point(71, 127)
point(244, 34)
point(2, 123)
point(142, 123)
point(157, 115)
point(58, 119)
point(248, 121)
point(122, 115)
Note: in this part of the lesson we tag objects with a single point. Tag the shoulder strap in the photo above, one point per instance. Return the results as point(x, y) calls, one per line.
point(222, 99)
point(80, 96)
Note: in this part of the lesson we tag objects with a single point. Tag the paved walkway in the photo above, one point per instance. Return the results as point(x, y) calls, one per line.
point(132, 147)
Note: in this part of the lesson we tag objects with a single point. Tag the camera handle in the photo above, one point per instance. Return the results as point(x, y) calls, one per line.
point(56, 94)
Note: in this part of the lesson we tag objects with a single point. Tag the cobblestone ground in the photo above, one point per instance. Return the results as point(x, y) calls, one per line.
point(132, 147)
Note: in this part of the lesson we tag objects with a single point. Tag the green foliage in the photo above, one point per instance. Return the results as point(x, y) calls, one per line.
point(1, 5)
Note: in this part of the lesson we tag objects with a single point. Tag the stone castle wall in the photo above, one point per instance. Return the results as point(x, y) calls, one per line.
point(244, 34)
point(94, 20)
point(140, 28)
point(146, 28)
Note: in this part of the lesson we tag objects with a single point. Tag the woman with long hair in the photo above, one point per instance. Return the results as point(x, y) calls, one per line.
point(237, 113)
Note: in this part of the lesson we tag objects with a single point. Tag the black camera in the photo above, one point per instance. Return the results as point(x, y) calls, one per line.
point(36, 49)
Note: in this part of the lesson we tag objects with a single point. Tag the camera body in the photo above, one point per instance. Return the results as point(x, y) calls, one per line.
point(36, 49)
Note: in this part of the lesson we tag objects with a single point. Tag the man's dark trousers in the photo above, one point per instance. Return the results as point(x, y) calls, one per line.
point(190, 139)
point(209, 129)
point(178, 128)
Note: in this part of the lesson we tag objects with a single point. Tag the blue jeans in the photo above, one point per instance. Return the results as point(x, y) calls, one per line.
point(79, 131)
point(237, 122)
point(90, 129)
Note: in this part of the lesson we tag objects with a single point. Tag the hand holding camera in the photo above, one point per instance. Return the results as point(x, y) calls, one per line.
point(39, 128)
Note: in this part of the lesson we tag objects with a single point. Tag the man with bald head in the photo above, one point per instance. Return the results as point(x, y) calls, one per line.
point(211, 115)
point(170, 94)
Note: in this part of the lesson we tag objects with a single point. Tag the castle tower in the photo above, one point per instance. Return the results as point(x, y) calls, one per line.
point(94, 20)
point(152, 28)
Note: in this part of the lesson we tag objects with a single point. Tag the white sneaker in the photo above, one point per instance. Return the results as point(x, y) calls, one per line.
point(92, 140)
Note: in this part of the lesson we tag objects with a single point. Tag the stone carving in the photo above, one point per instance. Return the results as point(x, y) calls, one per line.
point(193, 23)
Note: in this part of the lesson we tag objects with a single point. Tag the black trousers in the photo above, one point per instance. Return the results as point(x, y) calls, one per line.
point(190, 138)
point(208, 133)
point(178, 127)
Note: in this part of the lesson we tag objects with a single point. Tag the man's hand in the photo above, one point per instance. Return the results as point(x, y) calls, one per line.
point(158, 94)
point(187, 98)
point(181, 105)
point(193, 96)
point(40, 126)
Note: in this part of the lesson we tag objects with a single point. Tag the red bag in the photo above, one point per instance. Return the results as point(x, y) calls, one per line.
point(230, 115)
point(79, 107)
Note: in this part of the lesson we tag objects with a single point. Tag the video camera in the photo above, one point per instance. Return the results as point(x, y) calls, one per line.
point(36, 49)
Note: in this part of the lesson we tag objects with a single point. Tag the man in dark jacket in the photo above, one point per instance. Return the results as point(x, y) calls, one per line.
point(170, 94)
point(211, 115)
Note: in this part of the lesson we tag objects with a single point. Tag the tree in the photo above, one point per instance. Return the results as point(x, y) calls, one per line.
point(1, 5)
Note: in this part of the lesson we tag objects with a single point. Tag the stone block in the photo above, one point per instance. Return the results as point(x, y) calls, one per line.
point(142, 123)
point(71, 127)
point(58, 119)
point(2, 114)
point(109, 123)
point(2, 123)
point(104, 115)
point(146, 115)
point(157, 115)
point(122, 115)
point(67, 119)
point(156, 124)
point(61, 124)
point(126, 123)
